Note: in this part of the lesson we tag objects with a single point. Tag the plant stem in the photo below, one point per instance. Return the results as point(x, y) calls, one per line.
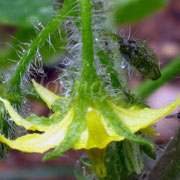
point(88, 69)
point(169, 72)
point(168, 166)
point(37, 43)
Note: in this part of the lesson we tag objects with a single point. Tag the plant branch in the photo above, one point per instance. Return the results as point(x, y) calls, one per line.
point(37, 43)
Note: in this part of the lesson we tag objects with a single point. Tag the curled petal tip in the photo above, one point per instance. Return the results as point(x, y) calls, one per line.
point(48, 96)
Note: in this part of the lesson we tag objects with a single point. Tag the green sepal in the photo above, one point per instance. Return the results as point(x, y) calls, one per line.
point(120, 128)
point(123, 159)
point(149, 152)
point(115, 162)
point(40, 120)
point(77, 126)
point(133, 156)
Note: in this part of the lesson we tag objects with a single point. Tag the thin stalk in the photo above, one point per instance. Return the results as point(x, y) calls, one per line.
point(169, 72)
point(38, 42)
point(88, 69)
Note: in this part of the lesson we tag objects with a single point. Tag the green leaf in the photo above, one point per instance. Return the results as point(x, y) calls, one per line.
point(24, 13)
point(127, 11)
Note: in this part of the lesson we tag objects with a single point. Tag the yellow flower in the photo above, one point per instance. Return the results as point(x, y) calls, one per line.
point(90, 126)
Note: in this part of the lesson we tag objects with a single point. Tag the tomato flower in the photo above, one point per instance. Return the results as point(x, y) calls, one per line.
point(88, 125)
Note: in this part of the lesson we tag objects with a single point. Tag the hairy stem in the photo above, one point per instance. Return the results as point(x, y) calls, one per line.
point(88, 71)
point(169, 72)
point(168, 166)
point(37, 43)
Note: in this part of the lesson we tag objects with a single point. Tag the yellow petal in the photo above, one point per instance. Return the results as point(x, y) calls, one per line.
point(20, 120)
point(47, 96)
point(97, 134)
point(40, 143)
point(137, 119)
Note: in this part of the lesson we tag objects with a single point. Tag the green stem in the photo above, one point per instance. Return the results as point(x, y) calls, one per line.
point(169, 72)
point(88, 69)
point(37, 43)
